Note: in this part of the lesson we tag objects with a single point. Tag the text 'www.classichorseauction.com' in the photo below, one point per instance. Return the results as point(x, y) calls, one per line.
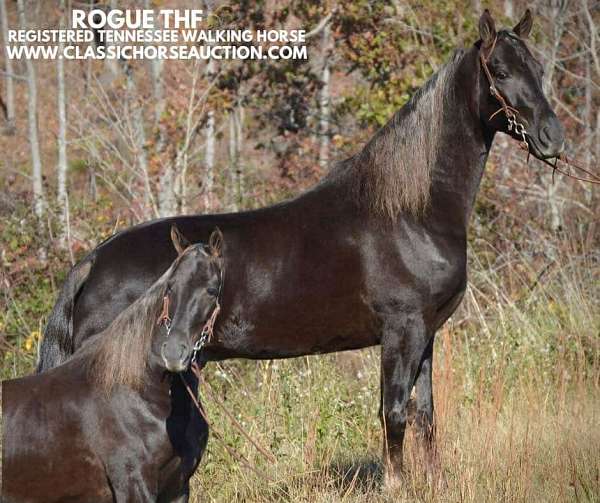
point(147, 34)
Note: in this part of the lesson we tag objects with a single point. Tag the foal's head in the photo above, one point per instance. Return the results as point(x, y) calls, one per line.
point(183, 299)
point(190, 303)
point(517, 76)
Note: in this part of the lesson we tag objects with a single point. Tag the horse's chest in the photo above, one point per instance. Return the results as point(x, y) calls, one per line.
point(445, 273)
point(417, 272)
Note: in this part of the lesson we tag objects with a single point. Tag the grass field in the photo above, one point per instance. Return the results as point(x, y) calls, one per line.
point(517, 381)
point(319, 418)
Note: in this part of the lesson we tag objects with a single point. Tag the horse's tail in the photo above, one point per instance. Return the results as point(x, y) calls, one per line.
point(57, 344)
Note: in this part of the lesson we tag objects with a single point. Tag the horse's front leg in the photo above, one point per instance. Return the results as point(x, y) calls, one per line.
point(184, 497)
point(132, 486)
point(403, 345)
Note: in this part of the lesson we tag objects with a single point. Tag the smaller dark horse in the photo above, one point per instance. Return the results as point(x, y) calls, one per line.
point(111, 424)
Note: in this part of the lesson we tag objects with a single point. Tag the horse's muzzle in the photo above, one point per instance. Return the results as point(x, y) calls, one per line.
point(549, 140)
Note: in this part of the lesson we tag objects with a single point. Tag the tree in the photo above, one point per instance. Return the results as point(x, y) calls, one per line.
point(235, 148)
point(36, 161)
point(325, 96)
point(9, 84)
point(62, 166)
point(209, 154)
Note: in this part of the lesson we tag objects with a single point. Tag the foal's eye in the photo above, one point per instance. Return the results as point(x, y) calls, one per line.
point(501, 75)
point(212, 291)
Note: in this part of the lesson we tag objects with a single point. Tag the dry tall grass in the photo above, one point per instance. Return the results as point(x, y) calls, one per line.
point(516, 378)
point(517, 375)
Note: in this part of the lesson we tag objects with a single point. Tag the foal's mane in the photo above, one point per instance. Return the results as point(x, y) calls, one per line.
point(392, 174)
point(120, 353)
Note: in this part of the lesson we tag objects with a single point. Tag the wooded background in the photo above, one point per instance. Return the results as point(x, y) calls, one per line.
point(91, 147)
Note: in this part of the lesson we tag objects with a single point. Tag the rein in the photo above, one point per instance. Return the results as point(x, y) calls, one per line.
point(515, 120)
point(219, 436)
point(205, 336)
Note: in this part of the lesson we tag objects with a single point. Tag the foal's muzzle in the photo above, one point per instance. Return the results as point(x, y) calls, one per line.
point(176, 355)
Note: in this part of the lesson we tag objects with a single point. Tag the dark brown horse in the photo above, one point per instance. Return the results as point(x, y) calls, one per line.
point(110, 424)
point(374, 254)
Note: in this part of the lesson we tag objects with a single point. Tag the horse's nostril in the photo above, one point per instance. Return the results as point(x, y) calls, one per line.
point(183, 350)
point(175, 354)
point(546, 136)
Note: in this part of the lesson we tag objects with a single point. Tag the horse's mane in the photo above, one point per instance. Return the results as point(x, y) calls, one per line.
point(119, 354)
point(392, 174)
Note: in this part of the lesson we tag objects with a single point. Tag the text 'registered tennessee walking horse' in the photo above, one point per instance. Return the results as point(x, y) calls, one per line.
point(373, 254)
point(111, 424)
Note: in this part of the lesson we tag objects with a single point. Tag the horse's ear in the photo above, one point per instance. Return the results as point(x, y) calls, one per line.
point(487, 29)
point(179, 241)
point(215, 243)
point(523, 27)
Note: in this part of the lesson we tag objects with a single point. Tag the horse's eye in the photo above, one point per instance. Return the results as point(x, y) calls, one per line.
point(501, 76)
point(212, 291)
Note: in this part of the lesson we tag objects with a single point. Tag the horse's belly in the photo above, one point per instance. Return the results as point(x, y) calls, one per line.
point(296, 329)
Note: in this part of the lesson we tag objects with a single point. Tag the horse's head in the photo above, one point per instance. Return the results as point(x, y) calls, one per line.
point(517, 76)
point(191, 298)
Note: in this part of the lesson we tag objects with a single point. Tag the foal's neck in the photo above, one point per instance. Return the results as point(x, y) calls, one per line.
point(465, 145)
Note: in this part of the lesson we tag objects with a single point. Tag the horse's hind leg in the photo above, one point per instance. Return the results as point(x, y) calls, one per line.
point(424, 399)
point(424, 413)
point(403, 344)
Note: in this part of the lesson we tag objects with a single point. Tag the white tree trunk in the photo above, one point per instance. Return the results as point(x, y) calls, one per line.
point(557, 13)
point(210, 132)
point(63, 195)
point(232, 159)
point(158, 90)
point(167, 201)
point(139, 132)
point(324, 99)
point(240, 146)
point(209, 153)
point(509, 10)
point(159, 93)
point(209, 160)
point(8, 79)
point(235, 171)
point(36, 161)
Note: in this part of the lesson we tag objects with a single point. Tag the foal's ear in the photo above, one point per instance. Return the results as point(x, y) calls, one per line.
point(215, 242)
point(487, 29)
point(523, 27)
point(179, 241)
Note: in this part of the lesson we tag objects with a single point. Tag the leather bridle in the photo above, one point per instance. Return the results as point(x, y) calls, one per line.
point(516, 122)
point(510, 112)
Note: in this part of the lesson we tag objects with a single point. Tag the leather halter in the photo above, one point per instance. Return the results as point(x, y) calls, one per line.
point(164, 318)
point(207, 330)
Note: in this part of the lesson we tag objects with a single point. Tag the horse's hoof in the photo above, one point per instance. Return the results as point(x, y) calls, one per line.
point(392, 480)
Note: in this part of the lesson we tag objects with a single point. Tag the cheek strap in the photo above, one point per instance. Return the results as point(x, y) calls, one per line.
point(511, 113)
point(164, 318)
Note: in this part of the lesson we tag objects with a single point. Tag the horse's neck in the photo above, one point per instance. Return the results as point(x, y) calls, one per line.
point(156, 388)
point(463, 152)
